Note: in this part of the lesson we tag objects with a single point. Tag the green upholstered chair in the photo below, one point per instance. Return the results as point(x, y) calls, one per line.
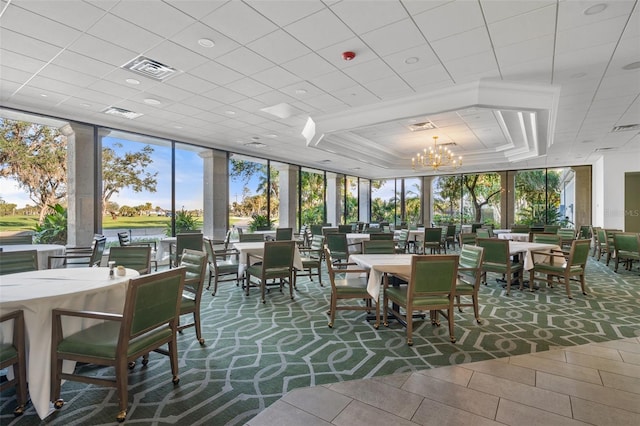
point(482, 233)
point(186, 240)
point(551, 228)
point(134, 257)
point(12, 353)
point(431, 287)
point(251, 238)
point(546, 238)
point(339, 246)
point(12, 262)
point(21, 238)
point(432, 240)
point(467, 238)
point(311, 260)
point(519, 228)
point(584, 232)
point(125, 241)
point(567, 235)
point(195, 266)
point(450, 237)
point(346, 229)
point(402, 241)
point(497, 259)
point(148, 322)
point(469, 277)
point(82, 256)
point(348, 283)
point(595, 241)
point(626, 249)
point(284, 234)
point(275, 264)
point(223, 264)
point(316, 229)
point(605, 243)
point(381, 236)
point(562, 266)
point(378, 247)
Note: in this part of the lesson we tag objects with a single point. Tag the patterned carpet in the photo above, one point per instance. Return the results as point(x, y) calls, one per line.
point(255, 353)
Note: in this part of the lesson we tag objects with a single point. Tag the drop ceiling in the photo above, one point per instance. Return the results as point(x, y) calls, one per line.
point(508, 84)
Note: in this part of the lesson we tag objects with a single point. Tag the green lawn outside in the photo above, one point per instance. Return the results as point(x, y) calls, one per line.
point(22, 223)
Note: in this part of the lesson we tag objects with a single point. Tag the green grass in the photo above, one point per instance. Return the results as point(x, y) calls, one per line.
point(21, 223)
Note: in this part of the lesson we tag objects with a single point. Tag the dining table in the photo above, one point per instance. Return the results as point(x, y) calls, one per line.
point(524, 249)
point(380, 264)
point(36, 293)
point(44, 251)
point(514, 236)
point(256, 248)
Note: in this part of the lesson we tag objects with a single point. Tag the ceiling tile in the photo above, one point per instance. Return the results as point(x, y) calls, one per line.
point(369, 71)
point(532, 25)
point(335, 80)
point(284, 12)
point(84, 14)
point(595, 34)
point(394, 38)
point(412, 59)
point(216, 73)
point(67, 75)
point(190, 36)
point(101, 50)
point(276, 77)
point(124, 34)
point(529, 50)
point(449, 19)
point(40, 27)
point(366, 15)
point(239, 22)
point(308, 66)
point(224, 95)
point(190, 83)
point(495, 11)
point(248, 87)
point(76, 61)
point(20, 62)
point(30, 47)
point(201, 102)
point(245, 61)
point(462, 44)
point(138, 13)
point(319, 30)
point(279, 47)
point(196, 8)
point(175, 56)
point(391, 87)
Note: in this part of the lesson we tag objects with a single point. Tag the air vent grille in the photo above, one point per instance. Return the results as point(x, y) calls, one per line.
point(417, 127)
point(626, 128)
point(121, 112)
point(150, 68)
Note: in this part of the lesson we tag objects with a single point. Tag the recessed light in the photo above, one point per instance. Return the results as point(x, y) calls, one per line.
point(43, 95)
point(412, 60)
point(229, 112)
point(578, 75)
point(595, 9)
point(255, 145)
point(132, 81)
point(300, 91)
point(177, 127)
point(151, 101)
point(205, 42)
point(632, 66)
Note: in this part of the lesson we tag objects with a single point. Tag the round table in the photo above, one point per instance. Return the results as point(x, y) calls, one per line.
point(44, 251)
point(37, 293)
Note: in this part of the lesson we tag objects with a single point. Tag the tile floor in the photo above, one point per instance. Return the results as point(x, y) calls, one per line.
point(594, 384)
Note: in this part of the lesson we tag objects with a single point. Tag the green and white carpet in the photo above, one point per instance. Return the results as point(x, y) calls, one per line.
point(255, 353)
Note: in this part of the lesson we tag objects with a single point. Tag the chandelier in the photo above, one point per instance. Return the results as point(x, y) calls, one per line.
point(436, 157)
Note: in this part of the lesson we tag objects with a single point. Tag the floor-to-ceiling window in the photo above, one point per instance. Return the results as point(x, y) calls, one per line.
point(384, 200)
point(447, 200)
point(481, 198)
point(351, 199)
point(312, 196)
point(412, 191)
point(136, 181)
point(248, 190)
point(189, 182)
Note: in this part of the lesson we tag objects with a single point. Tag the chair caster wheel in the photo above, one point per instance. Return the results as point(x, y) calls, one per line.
point(410, 342)
point(19, 410)
point(201, 341)
point(376, 326)
point(131, 365)
point(58, 404)
point(386, 323)
point(145, 361)
point(453, 340)
point(175, 380)
point(121, 416)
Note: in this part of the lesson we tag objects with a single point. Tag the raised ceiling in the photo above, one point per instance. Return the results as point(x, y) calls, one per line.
point(512, 84)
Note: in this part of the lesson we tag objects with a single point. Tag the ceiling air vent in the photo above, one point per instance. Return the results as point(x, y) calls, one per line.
point(150, 68)
point(427, 125)
point(121, 112)
point(626, 128)
point(255, 144)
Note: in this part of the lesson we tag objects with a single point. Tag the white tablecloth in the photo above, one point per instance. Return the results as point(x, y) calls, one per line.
point(37, 293)
point(257, 248)
point(378, 264)
point(44, 251)
point(518, 247)
point(514, 236)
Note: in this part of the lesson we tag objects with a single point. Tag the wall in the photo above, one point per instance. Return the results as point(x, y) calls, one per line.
point(608, 187)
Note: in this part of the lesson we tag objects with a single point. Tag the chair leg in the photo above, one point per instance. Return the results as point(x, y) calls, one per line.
point(450, 315)
point(197, 325)
point(332, 314)
point(121, 385)
point(409, 318)
point(476, 308)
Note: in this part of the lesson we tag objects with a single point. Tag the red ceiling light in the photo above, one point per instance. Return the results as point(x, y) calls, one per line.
point(347, 56)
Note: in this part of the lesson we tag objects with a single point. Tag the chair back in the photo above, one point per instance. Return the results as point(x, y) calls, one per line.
point(188, 240)
point(329, 230)
point(317, 243)
point(134, 257)
point(12, 262)
point(403, 239)
point(482, 233)
point(13, 353)
point(316, 229)
point(250, 238)
point(345, 228)
point(551, 228)
point(432, 235)
point(515, 228)
point(451, 232)
point(263, 228)
point(470, 264)
point(195, 266)
point(124, 239)
point(378, 247)
point(626, 243)
point(496, 251)
point(337, 243)
point(467, 238)
point(278, 256)
point(152, 306)
point(546, 238)
point(579, 253)
point(99, 244)
point(22, 238)
point(382, 236)
point(284, 234)
point(432, 275)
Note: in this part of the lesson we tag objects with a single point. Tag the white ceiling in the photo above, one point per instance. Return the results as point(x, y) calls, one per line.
point(514, 84)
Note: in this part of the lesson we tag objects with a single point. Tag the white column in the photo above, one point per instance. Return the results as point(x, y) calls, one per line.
point(333, 202)
point(288, 187)
point(364, 202)
point(216, 193)
point(427, 200)
point(82, 174)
